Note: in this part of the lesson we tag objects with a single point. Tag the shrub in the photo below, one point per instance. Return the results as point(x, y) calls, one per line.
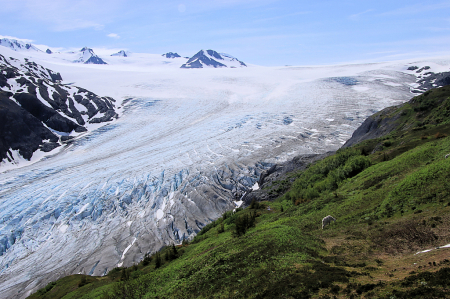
point(326, 174)
point(387, 143)
point(132, 289)
point(47, 288)
point(256, 205)
point(147, 260)
point(173, 252)
point(125, 275)
point(243, 223)
point(221, 228)
point(158, 260)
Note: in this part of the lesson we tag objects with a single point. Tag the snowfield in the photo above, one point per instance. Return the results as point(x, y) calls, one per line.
point(188, 143)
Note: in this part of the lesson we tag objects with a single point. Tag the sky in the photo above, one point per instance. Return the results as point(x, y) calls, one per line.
point(261, 32)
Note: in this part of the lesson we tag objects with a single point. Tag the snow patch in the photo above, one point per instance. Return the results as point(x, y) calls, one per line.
point(63, 228)
point(360, 88)
point(159, 214)
point(17, 161)
point(125, 252)
point(428, 250)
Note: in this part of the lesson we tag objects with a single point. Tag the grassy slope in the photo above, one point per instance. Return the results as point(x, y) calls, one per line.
point(386, 211)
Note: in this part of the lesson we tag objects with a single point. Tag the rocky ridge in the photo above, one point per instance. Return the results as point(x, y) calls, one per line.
point(121, 53)
point(171, 55)
point(17, 45)
point(211, 58)
point(40, 112)
point(87, 56)
point(427, 79)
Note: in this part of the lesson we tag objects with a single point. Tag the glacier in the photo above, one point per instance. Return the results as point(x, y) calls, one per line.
point(187, 145)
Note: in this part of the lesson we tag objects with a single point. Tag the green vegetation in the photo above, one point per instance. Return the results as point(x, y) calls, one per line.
point(391, 198)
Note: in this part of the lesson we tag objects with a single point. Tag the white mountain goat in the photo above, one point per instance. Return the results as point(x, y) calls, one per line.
point(327, 220)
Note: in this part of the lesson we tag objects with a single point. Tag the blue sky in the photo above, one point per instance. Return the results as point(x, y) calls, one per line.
point(263, 32)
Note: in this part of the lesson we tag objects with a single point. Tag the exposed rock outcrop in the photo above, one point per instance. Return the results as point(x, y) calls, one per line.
point(211, 58)
point(171, 55)
point(121, 53)
point(37, 111)
point(87, 56)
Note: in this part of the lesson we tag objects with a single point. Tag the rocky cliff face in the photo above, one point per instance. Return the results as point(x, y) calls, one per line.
point(377, 125)
point(41, 113)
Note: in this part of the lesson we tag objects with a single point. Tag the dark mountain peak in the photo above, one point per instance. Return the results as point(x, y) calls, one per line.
point(87, 56)
point(48, 51)
point(214, 54)
point(171, 55)
point(121, 53)
point(94, 60)
point(211, 58)
point(87, 49)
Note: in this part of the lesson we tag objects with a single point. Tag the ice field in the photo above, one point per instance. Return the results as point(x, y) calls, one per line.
point(187, 141)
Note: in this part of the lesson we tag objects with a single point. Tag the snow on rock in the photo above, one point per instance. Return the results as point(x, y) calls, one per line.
point(211, 58)
point(87, 56)
point(17, 45)
point(428, 250)
point(39, 113)
point(171, 55)
point(121, 53)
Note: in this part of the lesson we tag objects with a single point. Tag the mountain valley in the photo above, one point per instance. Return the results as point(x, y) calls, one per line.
point(154, 152)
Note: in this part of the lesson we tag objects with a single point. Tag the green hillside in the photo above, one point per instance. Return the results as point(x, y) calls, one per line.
point(391, 199)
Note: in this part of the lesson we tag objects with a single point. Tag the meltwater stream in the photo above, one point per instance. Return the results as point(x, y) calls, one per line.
point(166, 168)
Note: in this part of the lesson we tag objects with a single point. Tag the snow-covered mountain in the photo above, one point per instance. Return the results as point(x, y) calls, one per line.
point(39, 113)
point(211, 58)
point(171, 55)
point(121, 53)
point(87, 56)
point(187, 147)
point(17, 45)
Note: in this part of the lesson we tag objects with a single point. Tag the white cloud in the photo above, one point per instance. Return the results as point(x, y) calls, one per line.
point(357, 16)
point(113, 35)
point(19, 39)
point(66, 15)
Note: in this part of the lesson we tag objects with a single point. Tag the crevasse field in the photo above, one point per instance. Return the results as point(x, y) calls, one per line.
point(187, 145)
